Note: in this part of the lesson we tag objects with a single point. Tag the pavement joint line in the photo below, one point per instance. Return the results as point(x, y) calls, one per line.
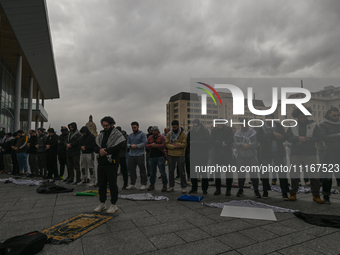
point(35, 203)
point(82, 247)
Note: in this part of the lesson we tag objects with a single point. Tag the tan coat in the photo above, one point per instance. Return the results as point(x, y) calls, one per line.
point(181, 141)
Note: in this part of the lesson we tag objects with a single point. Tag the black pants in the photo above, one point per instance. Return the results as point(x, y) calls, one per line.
point(33, 162)
point(278, 160)
point(15, 163)
point(187, 164)
point(62, 163)
point(108, 174)
point(229, 182)
point(123, 167)
point(42, 163)
point(73, 164)
point(205, 184)
point(52, 164)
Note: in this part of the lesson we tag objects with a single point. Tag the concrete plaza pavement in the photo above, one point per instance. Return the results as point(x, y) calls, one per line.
point(169, 227)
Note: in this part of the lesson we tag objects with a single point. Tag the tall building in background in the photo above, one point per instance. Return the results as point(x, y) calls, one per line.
point(185, 107)
point(27, 66)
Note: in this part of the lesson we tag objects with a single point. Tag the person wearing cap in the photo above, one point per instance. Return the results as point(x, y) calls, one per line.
point(62, 152)
point(176, 142)
point(109, 143)
point(73, 153)
point(41, 151)
point(136, 143)
point(32, 152)
point(87, 144)
point(197, 141)
point(156, 145)
point(52, 155)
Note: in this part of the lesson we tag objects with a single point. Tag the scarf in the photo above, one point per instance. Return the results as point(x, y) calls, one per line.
point(115, 138)
point(72, 134)
point(268, 128)
point(245, 135)
point(331, 122)
point(174, 136)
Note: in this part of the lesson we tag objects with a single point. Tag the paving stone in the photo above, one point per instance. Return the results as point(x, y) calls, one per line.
point(74, 248)
point(258, 234)
point(191, 235)
point(225, 227)
point(148, 221)
point(236, 240)
point(166, 228)
point(301, 250)
point(120, 225)
point(199, 221)
point(124, 242)
point(166, 240)
point(279, 229)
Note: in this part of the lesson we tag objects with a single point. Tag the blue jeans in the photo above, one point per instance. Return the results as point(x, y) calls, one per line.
point(22, 160)
point(153, 163)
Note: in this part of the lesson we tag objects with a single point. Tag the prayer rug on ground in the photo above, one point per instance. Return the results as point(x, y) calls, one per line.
point(75, 227)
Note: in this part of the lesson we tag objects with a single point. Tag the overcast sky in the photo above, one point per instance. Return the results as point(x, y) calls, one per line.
point(127, 58)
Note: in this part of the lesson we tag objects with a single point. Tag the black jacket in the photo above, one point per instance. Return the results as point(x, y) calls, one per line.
point(53, 141)
point(41, 141)
point(88, 140)
point(266, 141)
point(73, 138)
point(222, 154)
point(114, 151)
point(61, 143)
point(33, 142)
point(198, 142)
point(305, 148)
point(122, 152)
point(330, 135)
point(7, 147)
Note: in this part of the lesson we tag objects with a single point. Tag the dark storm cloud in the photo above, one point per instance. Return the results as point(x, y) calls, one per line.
point(126, 58)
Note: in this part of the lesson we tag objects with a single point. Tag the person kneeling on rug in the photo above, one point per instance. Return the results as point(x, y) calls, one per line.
point(108, 145)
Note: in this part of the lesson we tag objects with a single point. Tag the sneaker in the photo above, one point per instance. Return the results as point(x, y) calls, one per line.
point(90, 184)
point(217, 192)
point(292, 197)
point(164, 188)
point(170, 189)
point(80, 182)
point(228, 193)
point(131, 187)
point(151, 187)
point(192, 191)
point(112, 209)
point(317, 199)
point(285, 197)
point(265, 194)
point(326, 200)
point(257, 194)
point(99, 208)
point(124, 187)
point(205, 192)
point(143, 187)
point(77, 183)
point(240, 193)
point(184, 191)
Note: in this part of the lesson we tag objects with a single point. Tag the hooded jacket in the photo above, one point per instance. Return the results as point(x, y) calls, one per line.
point(73, 138)
point(330, 131)
point(7, 147)
point(53, 142)
point(61, 143)
point(88, 140)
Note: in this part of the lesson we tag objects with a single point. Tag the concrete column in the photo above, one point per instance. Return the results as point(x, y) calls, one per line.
point(36, 122)
point(43, 102)
point(17, 94)
point(37, 100)
point(29, 113)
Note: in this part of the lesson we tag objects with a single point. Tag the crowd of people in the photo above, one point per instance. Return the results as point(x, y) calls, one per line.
point(181, 151)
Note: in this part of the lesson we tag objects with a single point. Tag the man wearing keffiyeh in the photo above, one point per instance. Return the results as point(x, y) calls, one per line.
point(176, 142)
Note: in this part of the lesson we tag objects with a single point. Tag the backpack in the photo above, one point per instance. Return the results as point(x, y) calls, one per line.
point(27, 244)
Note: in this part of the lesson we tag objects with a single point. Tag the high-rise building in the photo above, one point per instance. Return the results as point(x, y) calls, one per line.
point(27, 66)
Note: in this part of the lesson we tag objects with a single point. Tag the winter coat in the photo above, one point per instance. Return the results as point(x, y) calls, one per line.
point(88, 140)
point(41, 141)
point(181, 141)
point(53, 142)
point(222, 154)
point(330, 134)
point(73, 138)
point(33, 142)
point(61, 143)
